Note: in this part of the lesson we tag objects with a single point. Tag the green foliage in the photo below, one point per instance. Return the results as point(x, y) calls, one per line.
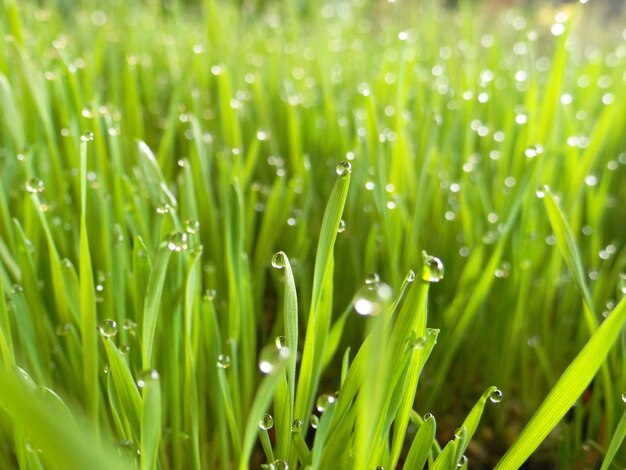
point(216, 220)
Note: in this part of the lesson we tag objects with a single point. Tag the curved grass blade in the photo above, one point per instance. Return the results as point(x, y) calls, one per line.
point(568, 388)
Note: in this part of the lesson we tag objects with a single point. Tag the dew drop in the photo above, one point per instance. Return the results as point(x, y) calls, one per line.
point(63, 329)
point(296, 425)
point(35, 186)
point(191, 226)
point(372, 280)
point(107, 328)
point(177, 242)
point(410, 277)
point(432, 270)
point(428, 417)
point(146, 377)
point(279, 260)
point(462, 462)
point(343, 168)
point(279, 342)
point(271, 358)
point(279, 464)
point(223, 361)
point(624, 397)
point(266, 422)
point(496, 396)
point(371, 300)
point(86, 136)
point(315, 421)
point(459, 433)
point(542, 191)
point(324, 401)
point(129, 326)
point(342, 226)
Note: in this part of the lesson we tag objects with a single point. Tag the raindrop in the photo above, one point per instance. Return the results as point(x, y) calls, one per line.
point(372, 299)
point(107, 328)
point(542, 191)
point(324, 401)
point(496, 396)
point(432, 269)
point(342, 226)
point(279, 342)
point(266, 422)
point(343, 168)
point(459, 433)
point(129, 326)
point(271, 358)
point(372, 280)
point(177, 242)
point(87, 136)
point(279, 260)
point(279, 464)
point(223, 361)
point(315, 421)
point(63, 329)
point(296, 425)
point(624, 397)
point(35, 186)
point(191, 226)
point(146, 377)
point(428, 417)
point(410, 277)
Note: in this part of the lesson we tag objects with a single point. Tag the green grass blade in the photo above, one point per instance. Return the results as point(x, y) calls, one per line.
point(616, 443)
point(319, 316)
point(567, 389)
point(150, 419)
point(152, 305)
point(420, 447)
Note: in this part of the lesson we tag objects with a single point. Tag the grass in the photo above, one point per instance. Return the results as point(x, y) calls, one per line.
point(224, 232)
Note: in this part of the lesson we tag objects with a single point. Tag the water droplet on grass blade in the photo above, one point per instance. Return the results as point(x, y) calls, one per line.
point(624, 397)
point(86, 136)
point(372, 280)
point(266, 422)
point(278, 260)
point(296, 425)
point(223, 361)
point(271, 358)
point(147, 376)
point(279, 464)
point(279, 342)
point(343, 168)
point(177, 242)
point(315, 421)
point(342, 226)
point(324, 401)
point(428, 417)
point(107, 328)
point(496, 396)
point(432, 269)
point(372, 299)
point(35, 186)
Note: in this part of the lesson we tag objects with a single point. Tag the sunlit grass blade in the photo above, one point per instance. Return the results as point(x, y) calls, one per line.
point(319, 317)
point(568, 388)
point(422, 442)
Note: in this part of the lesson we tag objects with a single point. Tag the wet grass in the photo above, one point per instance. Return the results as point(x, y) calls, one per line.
point(349, 235)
